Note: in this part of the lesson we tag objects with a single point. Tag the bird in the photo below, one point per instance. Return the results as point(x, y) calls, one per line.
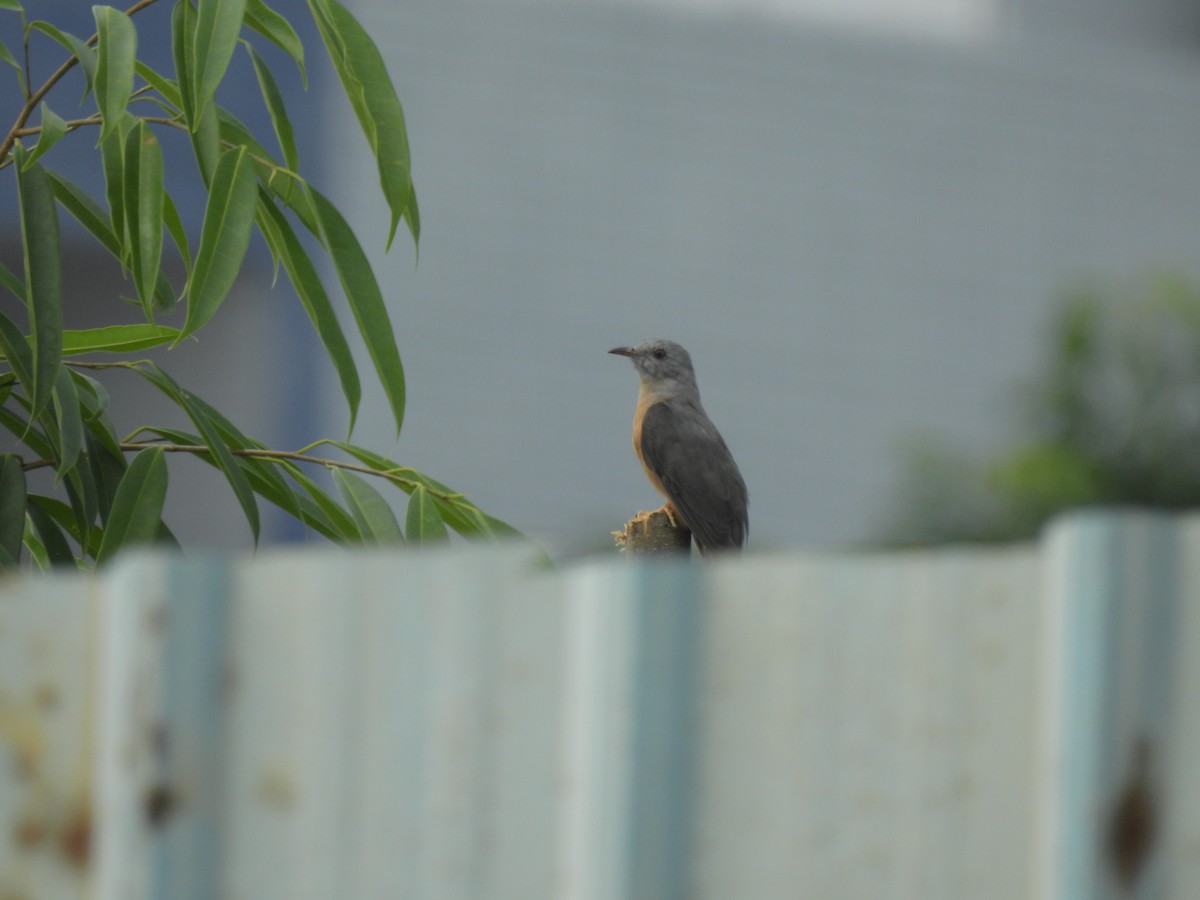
point(684, 455)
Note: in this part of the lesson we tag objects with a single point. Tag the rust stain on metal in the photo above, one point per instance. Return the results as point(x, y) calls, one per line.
point(1133, 827)
point(75, 838)
point(159, 803)
point(29, 831)
point(22, 730)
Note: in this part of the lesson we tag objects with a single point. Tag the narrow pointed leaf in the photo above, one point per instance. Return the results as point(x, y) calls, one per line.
point(274, 177)
point(342, 522)
point(112, 156)
point(116, 48)
point(183, 29)
point(166, 88)
point(369, 89)
point(117, 339)
point(203, 418)
point(53, 128)
point(7, 57)
point(137, 506)
point(89, 214)
point(218, 23)
point(375, 519)
point(279, 117)
point(178, 232)
point(58, 550)
point(228, 220)
point(69, 420)
point(86, 210)
point(144, 208)
point(278, 31)
point(16, 352)
point(307, 282)
point(86, 55)
point(12, 282)
point(43, 280)
point(29, 435)
point(366, 302)
point(12, 508)
point(423, 523)
point(107, 472)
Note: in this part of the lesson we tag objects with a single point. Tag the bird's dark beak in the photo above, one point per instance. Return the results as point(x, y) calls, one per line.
point(622, 351)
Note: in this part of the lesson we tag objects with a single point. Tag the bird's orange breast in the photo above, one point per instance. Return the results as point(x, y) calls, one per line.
point(646, 399)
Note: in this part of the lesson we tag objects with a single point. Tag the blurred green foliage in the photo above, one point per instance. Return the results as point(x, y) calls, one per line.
point(1113, 415)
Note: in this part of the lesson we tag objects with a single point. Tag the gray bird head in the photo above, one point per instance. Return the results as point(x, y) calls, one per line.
point(661, 365)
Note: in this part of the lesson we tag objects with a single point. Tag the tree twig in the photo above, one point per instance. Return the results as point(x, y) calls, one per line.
point(35, 98)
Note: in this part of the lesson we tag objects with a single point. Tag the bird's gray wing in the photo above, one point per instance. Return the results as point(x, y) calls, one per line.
point(685, 450)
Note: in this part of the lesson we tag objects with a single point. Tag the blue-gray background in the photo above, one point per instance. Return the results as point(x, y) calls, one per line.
point(859, 228)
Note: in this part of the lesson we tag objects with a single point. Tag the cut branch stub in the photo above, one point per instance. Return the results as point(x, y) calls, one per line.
point(653, 534)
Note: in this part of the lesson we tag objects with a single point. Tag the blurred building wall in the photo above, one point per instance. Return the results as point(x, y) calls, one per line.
point(858, 233)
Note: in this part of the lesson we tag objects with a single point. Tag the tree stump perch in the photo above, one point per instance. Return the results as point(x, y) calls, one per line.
point(653, 534)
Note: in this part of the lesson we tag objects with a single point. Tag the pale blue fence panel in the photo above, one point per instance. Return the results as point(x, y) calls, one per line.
point(1123, 596)
point(942, 724)
point(869, 726)
point(46, 715)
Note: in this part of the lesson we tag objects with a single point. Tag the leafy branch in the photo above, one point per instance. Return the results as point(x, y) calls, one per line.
point(109, 492)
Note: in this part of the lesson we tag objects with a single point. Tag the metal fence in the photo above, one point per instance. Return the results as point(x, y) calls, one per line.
point(958, 723)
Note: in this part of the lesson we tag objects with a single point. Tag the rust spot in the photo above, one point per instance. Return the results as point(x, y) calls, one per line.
point(1133, 826)
point(160, 739)
point(29, 832)
point(46, 695)
point(75, 839)
point(160, 801)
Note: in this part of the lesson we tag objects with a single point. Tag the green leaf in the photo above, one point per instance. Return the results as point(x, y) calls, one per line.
point(371, 512)
point(423, 523)
point(144, 195)
point(86, 55)
point(75, 201)
point(166, 88)
point(369, 89)
point(107, 471)
point(12, 6)
point(12, 282)
point(202, 417)
point(58, 551)
point(366, 301)
point(43, 280)
point(7, 57)
point(116, 48)
point(340, 521)
point(202, 124)
point(278, 31)
point(68, 419)
point(23, 431)
point(112, 156)
point(307, 282)
point(117, 339)
point(53, 128)
point(279, 117)
point(86, 210)
point(274, 177)
point(178, 232)
point(16, 352)
point(228, 220)
point(183, 29)
point(137, 506)
point(218, 23)
point(12, 509)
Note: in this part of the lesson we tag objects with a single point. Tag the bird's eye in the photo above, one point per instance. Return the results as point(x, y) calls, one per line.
point(660, 353)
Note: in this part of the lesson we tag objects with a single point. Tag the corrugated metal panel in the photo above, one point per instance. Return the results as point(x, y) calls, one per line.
point(944, 724)
point(46, 717)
